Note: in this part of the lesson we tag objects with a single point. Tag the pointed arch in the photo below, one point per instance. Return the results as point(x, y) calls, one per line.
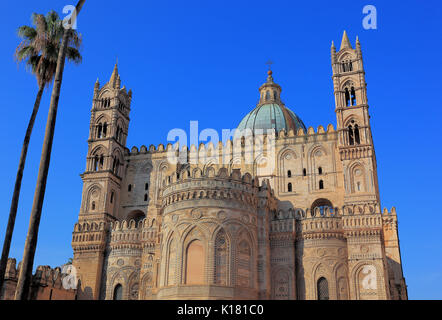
point(221, 258)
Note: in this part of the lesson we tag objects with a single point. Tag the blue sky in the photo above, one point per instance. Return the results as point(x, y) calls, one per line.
point(204, 60)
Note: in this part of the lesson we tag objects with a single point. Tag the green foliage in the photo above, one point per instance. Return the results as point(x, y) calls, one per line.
point(40, 46)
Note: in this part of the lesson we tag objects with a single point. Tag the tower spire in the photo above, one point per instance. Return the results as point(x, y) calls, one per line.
point(114, 77)
point(345, 43)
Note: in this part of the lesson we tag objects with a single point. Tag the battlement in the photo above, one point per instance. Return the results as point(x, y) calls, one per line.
point(208, 185)
point(333, 221)
point(130, 233)
point(238, 143)
point(89, 236)
point(47, 283)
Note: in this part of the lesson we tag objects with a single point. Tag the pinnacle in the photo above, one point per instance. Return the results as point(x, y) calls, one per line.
point(345, 43)
point(114, 75)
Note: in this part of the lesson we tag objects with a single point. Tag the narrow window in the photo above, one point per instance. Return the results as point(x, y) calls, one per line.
point(118, 292)
point(350, 135)
point(289, 173)
point(347, 97)
point(118, 133)
point(289, 187)
point(129, 188)
point(114, 164)
point(121, 135)
point(321, 184)
point(350, 65)
point(145, 197)
point(353, 96)
point(275, 95)
point(96, 163)
point(268, 95)
point(93, 205)
point(146, 186)
point(322, 287)
point(117, 166)
point(221, 253)
point(304, 172)
point(320, 170)
point(99, 130)
point(101, 162)
point(357, 138)
point(104, 130)
point(112, 197)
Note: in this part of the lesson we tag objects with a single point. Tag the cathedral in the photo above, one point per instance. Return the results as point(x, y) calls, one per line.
point(299, 219)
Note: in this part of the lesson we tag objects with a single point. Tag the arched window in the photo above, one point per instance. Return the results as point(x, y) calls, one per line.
point(116, 166)
point(322, 204)
point(118, 292)
point(356, 132)
point(322, 288)
point(195, 263)
point(99, 130)
point(320, 170)
point(93, 205)
point(347, 97)
point(145, 197)
point(351, 140)
point(304, 172)
point(221, 252)
point(100, 166)
point(104, 130)
point(353, 96)
point(96, 160)
point(146, 186)
point(275, 95)
point(321, 184)
point(112, 197)
point(289, 173)
point(129, 188)
point(136, 215)
point(289, 187)
point(268, 95)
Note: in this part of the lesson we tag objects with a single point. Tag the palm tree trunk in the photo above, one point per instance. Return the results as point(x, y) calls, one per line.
point(16, 194)
point(25, 277)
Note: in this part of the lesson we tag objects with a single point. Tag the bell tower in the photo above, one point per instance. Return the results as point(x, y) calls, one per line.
point(101, 181)
point(353, 124)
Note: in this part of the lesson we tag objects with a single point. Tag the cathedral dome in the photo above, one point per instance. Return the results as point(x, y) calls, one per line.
point(271, 113)
point(271, 116)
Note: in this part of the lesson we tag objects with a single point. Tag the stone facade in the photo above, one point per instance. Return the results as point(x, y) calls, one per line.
point(215, 226)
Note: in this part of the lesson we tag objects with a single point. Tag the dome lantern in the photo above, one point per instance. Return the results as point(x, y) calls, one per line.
point(271, 113)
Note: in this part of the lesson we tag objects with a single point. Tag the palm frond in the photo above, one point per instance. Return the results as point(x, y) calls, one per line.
point(40, 46)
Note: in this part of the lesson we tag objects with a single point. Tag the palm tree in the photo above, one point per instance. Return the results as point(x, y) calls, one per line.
point(39, 49)
point(24, 279)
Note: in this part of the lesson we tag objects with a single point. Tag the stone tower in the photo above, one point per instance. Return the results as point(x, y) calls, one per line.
point(366, 240)
point(101, 181)
point(355, 142)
